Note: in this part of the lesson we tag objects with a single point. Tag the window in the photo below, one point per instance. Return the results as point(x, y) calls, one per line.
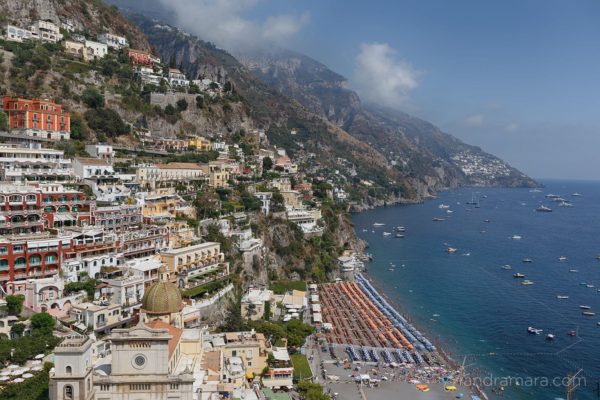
point(68, 392)
point(69, 370)
point(104, 387)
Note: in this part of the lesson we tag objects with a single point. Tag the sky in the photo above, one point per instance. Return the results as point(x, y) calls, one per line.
point(521, 79)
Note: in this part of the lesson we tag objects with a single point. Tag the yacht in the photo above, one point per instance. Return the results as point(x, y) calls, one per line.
point(451, 249)
point(516, 237)
point(588, 313)
point(387, 233)
point(443, 206)
point(519, 275)
point(549, 336)
point(534, 331)
point(400, 229)
point(507, 267)
point(565, 204)
point(543, 208)
point(378, 224)
point(562, 258)
point(527, 260)
point(527, 282)
point(585, 307)
point(562, 297)
point(438, 219)
point(399, 236)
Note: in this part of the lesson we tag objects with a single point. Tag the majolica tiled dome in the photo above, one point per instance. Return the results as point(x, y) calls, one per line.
point(162, 298)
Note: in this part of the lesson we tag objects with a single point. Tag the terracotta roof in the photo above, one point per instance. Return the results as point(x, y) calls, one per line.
point(174, 332)
point(92, 161)
point(178, 165)
point(212, 362)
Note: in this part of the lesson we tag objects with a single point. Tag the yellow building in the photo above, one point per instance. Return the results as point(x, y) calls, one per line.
point(200, 143)
point(169, 174)
point(251, 347)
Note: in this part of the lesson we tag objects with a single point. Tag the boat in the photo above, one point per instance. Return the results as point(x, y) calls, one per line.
point(399, 236)
point(449, 211)
point(562, 297)
point(535, 191)
point(378, 224)
point(573, 270)
point(585, 307)
point(438, 219)
point(473, 201)
point(527, 282)
point(552, 196)
point(365, 230)
point(562, 258)
point(519, 275)
point(387, 233)
point(583, 284)
point(565, 204)
point(400, 229)
point(576, 194)
point(572, 333)
point(549, 336)
point(443, 206)
point(543, 208)
point(516, 237)
point(598, 323)
point(487, 221)
point(507, 267)
point(527, 260)
point(588, 313)
point(534, 331)
point(589, 286)
point(451, 250)
point(466, 254)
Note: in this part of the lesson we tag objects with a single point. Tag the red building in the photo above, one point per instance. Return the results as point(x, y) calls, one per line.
point(20, 210)
point(32, 257)
point(139, 57)
point(65, 207)
point(37, 118)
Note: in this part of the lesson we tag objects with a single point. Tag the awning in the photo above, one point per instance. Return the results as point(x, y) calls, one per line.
point(63, 217)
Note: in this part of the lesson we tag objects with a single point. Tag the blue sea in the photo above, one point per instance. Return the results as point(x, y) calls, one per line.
point(478, 311)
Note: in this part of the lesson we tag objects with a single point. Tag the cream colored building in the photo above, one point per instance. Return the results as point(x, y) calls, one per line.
point(219, 173)
point(194, 262)
point(171, 174)
point(254, 301)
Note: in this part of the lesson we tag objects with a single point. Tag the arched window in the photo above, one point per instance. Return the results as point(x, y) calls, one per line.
point(69, 370)
point(68, 392)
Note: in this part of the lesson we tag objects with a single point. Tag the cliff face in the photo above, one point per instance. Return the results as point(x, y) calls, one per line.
point(85, 15)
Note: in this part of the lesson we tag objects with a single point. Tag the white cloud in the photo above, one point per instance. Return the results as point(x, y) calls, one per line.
point(474, 120)
point(379, 76)
point(512, 127)
point(225, 23)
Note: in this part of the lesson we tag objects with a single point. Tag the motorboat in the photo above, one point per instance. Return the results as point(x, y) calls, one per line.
point(534, 331)
point(527, 283)
point(565, 204)
point(585, 307)
point(549, 336)
point(507, 267)
point(572, 333)
point(576, 194)
point(535, 191)
point(588, 313)
point(438, 219)
point(516, 237)
point(573, 271)
point(562, 258)
point(449, 211)
point(552, 196)
point(378, 224)
point(451, 250)
point(519, 275)
point(562, 297)
point(589, 286)
point(400, 229)
point(543, 208)
point(387, 233)
point(527, 260)
point(399, 236)
point(443, 206)
point(487, 221)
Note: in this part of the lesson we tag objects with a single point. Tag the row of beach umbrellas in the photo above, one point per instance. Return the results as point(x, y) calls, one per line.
point(14, 370)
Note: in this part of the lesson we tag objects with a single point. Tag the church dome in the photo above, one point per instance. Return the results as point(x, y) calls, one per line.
point(162, 298)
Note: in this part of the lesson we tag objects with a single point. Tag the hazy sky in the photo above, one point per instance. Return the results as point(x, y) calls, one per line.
point(519, 78)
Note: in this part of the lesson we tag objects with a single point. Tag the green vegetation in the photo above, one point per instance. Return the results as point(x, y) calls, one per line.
point(280, 287)
point(301, 367)
point(295, 331)
point(42, 322)
point(312, 391)
point(89, 286)
point(35, 388)
point(14, 303)
point(3, 121)
point(201, 290)
point(106, 121)
point(92, 98)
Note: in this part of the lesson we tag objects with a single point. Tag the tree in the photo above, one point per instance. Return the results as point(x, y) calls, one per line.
point(267, 164)
point(312, 391)
point(199, 102)
point(42, 322)
point(14, 303)
point(106, 121)
point(92, 98)
point(78, 129)
point(170, 110)
point(18, 329)
point(182, 105)
point(3, 121)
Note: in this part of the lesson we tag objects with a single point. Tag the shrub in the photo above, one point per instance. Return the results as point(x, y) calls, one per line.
point(92, 98)
point(107, 121)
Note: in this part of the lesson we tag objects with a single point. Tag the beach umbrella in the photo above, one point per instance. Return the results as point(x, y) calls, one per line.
point(27, 375)
point(4, 373)
point(4, 378)
point(39, 357)
point(37, 368)
point(16, 372)
point(25, 369)
point(13, 366)
point(36, 362)
point(19, 380)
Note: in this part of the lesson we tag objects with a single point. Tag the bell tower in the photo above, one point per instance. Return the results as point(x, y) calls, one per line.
point(71, 378)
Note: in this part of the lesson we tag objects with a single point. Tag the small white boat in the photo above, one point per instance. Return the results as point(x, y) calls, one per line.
point(378, 224)
point(589, 286)
point(527, 283)
point(543, 208)
point(516, 237)
point(562, 258)
point(549, 336)
point(400, 229)
point(466, 254)
point(562, 297)
point(576, 194)
point(443, 206)
point(507, 267)
point(449, 211)
point(387, 233)
point(519, 275)
point(535, 191)
point(534, 331)
point(451, 250)
point(399, 236)
point(365, 230)
point(573, 271)
point(585, 307)
point(565, 204)
point(588, 313)
point(527, 260)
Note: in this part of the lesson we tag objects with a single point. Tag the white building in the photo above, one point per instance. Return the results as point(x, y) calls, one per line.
point(95, 50)
point(33, 163)
point(177, 78)
point(86, 168)
point(13, 33)
point(46, 31)
point(101, 150)
point(113, 41)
